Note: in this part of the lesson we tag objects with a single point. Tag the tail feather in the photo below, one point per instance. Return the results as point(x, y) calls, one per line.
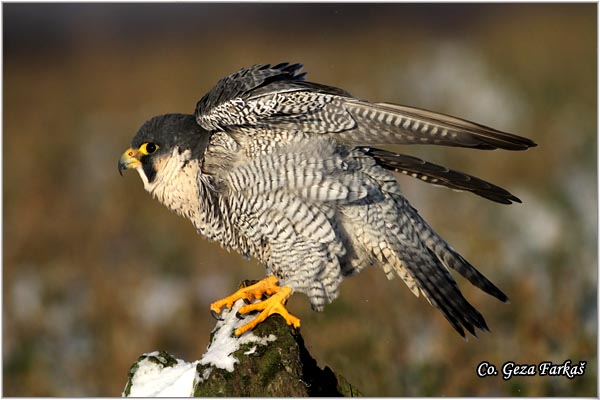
point(438, 286)
point(443, 293)
point(451, 259)
point(463, 267)
point(408, 251)
point(439, 175)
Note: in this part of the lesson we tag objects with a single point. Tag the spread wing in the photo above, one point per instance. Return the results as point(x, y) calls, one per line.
point(439, 175)
point(278, 98)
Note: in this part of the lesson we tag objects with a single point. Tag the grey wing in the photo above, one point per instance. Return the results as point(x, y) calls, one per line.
point(238, 84)
point(439, 175)
point(216, 109)
point(278, 98)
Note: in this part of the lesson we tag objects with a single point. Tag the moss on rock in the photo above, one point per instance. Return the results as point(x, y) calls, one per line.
point(282, 368)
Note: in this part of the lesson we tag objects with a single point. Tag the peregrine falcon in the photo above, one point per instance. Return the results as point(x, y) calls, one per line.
point(283, 170)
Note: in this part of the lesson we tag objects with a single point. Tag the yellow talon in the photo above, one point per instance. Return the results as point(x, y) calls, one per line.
point(252, 292)
point(273, 305)
point(268, 307)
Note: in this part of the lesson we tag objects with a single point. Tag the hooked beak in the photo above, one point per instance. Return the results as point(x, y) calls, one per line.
point(129, 159)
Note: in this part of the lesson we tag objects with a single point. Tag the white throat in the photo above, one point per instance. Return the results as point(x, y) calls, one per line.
point(176, 182)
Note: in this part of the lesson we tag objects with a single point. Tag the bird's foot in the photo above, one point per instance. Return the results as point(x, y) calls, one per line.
point(247, 292)
point(275, 304)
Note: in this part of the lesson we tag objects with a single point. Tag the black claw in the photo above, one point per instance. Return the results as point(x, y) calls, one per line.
point(244, 315)
point(247, 301)
point(247, 282)
point(216, 315)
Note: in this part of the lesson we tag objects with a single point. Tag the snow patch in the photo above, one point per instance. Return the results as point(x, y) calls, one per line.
point(155, 380)
point(225, 343)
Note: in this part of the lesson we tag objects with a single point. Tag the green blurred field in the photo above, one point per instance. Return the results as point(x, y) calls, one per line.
point(95, 272)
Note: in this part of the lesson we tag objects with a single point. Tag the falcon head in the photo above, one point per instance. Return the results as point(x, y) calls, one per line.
point(162, 146)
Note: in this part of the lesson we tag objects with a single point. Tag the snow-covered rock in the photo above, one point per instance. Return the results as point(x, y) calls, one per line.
point(271, 360)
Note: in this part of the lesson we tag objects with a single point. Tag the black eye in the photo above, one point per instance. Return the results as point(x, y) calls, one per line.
point(148, 148)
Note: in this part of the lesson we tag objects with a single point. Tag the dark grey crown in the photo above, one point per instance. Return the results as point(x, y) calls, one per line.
point(169, 130)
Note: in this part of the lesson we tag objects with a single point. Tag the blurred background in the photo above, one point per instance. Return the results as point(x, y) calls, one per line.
point(95, 272)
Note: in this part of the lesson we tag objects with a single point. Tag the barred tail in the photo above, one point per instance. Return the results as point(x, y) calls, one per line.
point(451, 259)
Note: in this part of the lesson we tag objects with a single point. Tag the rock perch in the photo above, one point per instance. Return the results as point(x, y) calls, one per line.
point(269, 361)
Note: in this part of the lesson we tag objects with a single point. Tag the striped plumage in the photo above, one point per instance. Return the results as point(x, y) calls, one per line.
point(282, 170)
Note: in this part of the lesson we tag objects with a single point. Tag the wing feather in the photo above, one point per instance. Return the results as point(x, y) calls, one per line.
point(381, 123)
point(277, 97)
point(439, 175)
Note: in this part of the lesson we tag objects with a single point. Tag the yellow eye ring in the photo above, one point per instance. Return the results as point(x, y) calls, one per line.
point(148, 148)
